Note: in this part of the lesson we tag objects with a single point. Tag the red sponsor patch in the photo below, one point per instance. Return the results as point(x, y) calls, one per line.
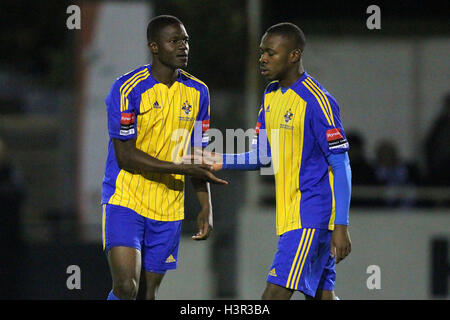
point(205, 125)
point(258, 126)
point(334, 134)
point(126, 118)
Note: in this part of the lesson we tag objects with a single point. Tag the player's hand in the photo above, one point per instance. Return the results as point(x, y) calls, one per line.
point(204, 228)
point(341, 245)
point(202, 172)
point(199, 156)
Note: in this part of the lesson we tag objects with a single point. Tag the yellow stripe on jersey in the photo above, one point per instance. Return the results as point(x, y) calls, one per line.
point(320, 94)
point(129, 87)
point(125, 85)
point(132, 85)
point(286, 141)
point(192, 77)
point(163, 132)
point(304, 258)
point(326, 100)
point(260, 110)
point(324, 97)
point(330, 173)
point(137, 74)
point(333, 206)
point(319, 100)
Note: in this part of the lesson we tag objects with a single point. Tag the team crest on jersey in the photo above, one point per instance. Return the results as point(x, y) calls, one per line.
point(288, 116)
point(187, 108)
point(268, 108)
point(336, 140)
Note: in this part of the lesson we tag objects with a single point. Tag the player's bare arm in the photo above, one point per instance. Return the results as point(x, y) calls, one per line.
point(341, 245)
point(131, 158)
point(204, 217)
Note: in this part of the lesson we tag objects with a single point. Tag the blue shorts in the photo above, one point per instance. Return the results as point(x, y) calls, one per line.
point(157, 240)
point(303, 261)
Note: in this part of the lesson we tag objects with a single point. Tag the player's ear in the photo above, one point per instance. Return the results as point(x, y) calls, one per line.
point(296, 55)
point(153, 47)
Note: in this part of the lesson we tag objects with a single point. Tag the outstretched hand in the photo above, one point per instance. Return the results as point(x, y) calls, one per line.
point(213, 159)
point(202, 172)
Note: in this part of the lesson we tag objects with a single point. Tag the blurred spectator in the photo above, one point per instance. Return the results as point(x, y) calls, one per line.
point(392, 171)
point(11, 198)
point(362, 170)
point(437, 147)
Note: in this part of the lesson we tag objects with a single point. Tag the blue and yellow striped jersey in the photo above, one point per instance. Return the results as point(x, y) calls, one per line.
point(303, 127)
point(165, 122)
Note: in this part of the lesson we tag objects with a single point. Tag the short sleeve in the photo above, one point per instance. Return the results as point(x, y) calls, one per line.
point(327, 128)
point(200, 137)
point(121, 114)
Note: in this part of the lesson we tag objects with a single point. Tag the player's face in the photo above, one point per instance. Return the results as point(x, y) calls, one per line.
point(274, 56)
point(173, 46)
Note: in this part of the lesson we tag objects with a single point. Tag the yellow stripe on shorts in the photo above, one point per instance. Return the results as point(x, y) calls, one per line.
point(304, 258)
point(295, 259)
point(300, 258)
point(103, 225)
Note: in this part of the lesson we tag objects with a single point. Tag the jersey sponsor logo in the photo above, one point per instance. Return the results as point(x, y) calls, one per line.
point(255, 137)
point(170, 259)
point(126, 118)
point(205, 125)
point(334, 134)
point(126, 123)
point(335, 139)
point(205, 128)
point(258, 126)
point(273, 273)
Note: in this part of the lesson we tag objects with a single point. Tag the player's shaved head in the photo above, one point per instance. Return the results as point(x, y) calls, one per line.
point(291, 32)
point(158, 23)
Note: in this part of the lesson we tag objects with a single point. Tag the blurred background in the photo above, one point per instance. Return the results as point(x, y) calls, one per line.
point(392, 85)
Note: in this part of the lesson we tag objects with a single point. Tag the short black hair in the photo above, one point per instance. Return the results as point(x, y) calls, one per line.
point(157, 23)
point(290, 31)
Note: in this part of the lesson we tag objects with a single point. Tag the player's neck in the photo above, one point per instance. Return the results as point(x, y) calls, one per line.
point(164, 74)
point(291, 77)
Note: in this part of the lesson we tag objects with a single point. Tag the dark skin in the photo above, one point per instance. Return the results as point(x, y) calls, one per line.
point(281, 60)
point(170, 51)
